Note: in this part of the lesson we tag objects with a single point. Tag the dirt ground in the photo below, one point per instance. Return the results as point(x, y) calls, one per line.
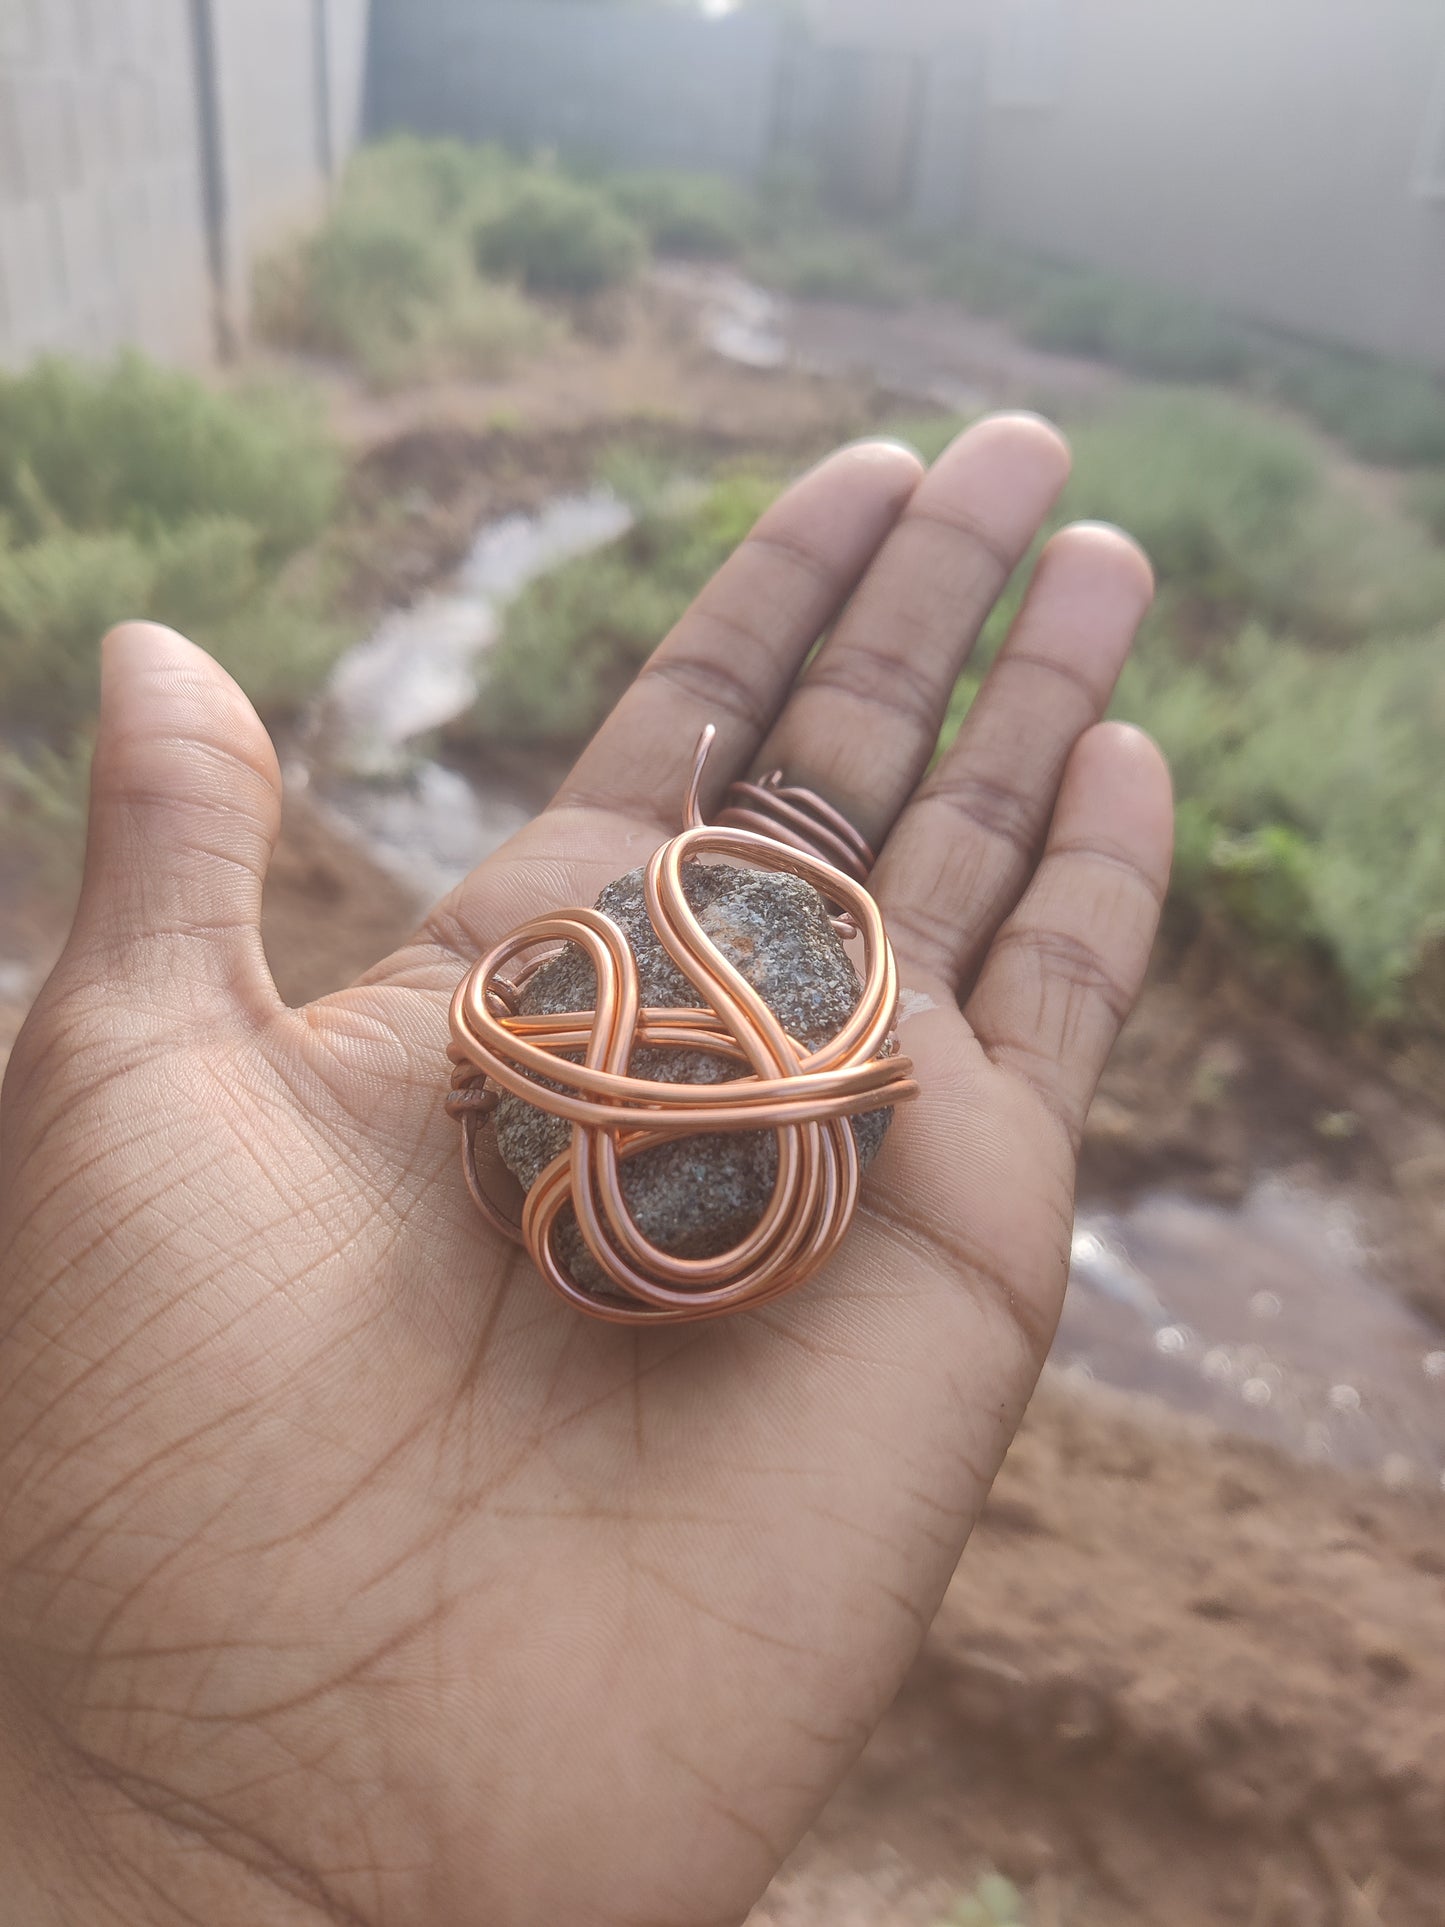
point(1180, 1679)
point(1177, 1681)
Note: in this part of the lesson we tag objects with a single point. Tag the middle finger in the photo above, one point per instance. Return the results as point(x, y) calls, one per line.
point(863, 722)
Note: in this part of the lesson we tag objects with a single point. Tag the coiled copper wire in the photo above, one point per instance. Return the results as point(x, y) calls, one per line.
point(800, 819)
point(804, 1097)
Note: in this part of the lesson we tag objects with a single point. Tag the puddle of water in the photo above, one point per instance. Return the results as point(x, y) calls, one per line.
point(421, 667)
point(736, 319)
point(1266, 1318)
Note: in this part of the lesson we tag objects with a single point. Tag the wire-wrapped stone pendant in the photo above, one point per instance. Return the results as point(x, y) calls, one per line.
point(688, 1088)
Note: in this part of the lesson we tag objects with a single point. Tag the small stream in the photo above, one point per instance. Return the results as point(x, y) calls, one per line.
point(363, 761)
point(1266, 1317)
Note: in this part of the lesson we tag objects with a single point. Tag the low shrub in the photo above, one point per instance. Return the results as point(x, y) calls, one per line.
point(1304, 746)
point(448, 182)
point(826, 262)
point(1426, 501)
point(389, 281)
point(1242, 519)
point(689, 214)
point(207, 577)
point(991, 280)
point(132, 491)
point(1382, 411)
point(133, 447)
point(1146, 329)
point(558, 237)
point(1305, 798)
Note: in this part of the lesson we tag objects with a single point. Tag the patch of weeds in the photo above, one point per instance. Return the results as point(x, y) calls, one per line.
point(134, 447)
point(133, 491)
point(1383, 411)
point(1306, 818)
point(1304, 746)
point(207, 577)
point(1241, 519)
point(704, 215)
point(991, 280)
point(558, 237)
point(826, 261)
point(1426, 501)
point(389, 280)
point(1144, 329)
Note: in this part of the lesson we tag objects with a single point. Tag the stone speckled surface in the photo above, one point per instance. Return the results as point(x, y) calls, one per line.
point(698, 1196)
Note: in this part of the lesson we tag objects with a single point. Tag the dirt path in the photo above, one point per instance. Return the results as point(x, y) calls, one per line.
point(1178, 1682)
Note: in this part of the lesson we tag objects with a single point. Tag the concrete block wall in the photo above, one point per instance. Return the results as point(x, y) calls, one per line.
point(150, 150)
point(644, 86)
point(1263, 157)
point(101, 236)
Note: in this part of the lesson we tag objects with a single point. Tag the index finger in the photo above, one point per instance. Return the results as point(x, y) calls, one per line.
point(733, 657)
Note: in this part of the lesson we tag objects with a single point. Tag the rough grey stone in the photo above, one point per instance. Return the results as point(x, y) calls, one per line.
point(698, 1196)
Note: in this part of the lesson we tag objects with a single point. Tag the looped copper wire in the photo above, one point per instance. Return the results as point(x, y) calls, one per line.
point(805, 1097)
point(800, 819)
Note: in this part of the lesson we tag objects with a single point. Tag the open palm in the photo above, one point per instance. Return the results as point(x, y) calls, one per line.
point(344, 1573)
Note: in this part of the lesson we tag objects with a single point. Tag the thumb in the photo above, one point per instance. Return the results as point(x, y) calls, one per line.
point(185, 809)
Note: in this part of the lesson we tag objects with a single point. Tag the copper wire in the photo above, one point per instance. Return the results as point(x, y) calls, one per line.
point(804, 1097)
point(800, 819)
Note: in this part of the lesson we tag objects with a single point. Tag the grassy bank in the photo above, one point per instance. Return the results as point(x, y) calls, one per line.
point(131, 491)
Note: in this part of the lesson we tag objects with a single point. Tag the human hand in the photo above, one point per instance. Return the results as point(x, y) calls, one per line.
point(347, 1575)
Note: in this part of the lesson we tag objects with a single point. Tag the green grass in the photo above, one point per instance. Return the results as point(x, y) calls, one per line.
point(686, 214)
point(1381, 411)
point(1426, 501)
point(559, 237)
point(1293, 673)
point(135, 448)
point(131, 491)
point(390, 280)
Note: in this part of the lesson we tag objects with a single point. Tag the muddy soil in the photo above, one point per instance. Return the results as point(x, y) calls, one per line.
point(1177, 1681)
